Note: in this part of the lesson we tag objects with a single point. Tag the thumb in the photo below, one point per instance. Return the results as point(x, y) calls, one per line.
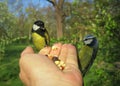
point(27, 50)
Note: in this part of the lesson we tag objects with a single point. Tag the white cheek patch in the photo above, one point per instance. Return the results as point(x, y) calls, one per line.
point(35, 27)
point(88, 41)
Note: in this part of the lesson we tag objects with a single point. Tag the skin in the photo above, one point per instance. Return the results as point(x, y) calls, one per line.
point(36, 69)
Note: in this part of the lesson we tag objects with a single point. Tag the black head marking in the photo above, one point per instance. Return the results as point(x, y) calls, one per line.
point(90, 40)
point(38, 27)
point(39, 23)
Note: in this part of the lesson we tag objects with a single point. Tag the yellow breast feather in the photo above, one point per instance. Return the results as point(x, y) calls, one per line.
point(38, 41)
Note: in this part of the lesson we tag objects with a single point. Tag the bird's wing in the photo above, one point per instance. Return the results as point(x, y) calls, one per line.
point(47, 38)
point(85, 55)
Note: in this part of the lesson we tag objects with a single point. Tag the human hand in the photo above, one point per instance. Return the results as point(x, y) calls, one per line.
point(39, 70)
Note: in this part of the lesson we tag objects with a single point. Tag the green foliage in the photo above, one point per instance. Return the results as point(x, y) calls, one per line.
point(105, 26)
point(13, 70)
point(5, 42)
point(74, 39)
point(108, 76)
point(9, 64)
point(100, 18)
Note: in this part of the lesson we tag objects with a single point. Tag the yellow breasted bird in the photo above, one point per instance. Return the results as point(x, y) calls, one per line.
point(87, 53)
point(40, 36)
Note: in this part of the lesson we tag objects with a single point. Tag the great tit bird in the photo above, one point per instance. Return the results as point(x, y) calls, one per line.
point(88, 53)
point(40, 36)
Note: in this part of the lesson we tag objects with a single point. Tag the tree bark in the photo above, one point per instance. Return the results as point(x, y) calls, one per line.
point(59, 16)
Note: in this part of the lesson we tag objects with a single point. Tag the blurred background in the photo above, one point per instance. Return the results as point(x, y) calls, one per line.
point(67, 21)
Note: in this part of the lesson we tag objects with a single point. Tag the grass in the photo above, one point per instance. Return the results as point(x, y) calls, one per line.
point(9, 65)
point(9, 70)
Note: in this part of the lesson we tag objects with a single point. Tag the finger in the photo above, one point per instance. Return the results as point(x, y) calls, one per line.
point(55, 51)
point(27, 50)
point(23, 78)
point(63, 53)
point(45, 51)
point(71, 57)
point(34, 64)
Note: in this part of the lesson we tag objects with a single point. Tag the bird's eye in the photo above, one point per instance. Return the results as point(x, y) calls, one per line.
point(88, 41)
point(42, 28)
point(85, 39)
point(35, 27)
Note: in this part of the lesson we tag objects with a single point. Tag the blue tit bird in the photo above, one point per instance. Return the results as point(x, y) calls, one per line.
point(87, 53)
point(39, 34)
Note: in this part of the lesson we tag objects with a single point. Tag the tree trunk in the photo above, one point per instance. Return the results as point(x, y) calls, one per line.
point(59, 24)
point(58, 5)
